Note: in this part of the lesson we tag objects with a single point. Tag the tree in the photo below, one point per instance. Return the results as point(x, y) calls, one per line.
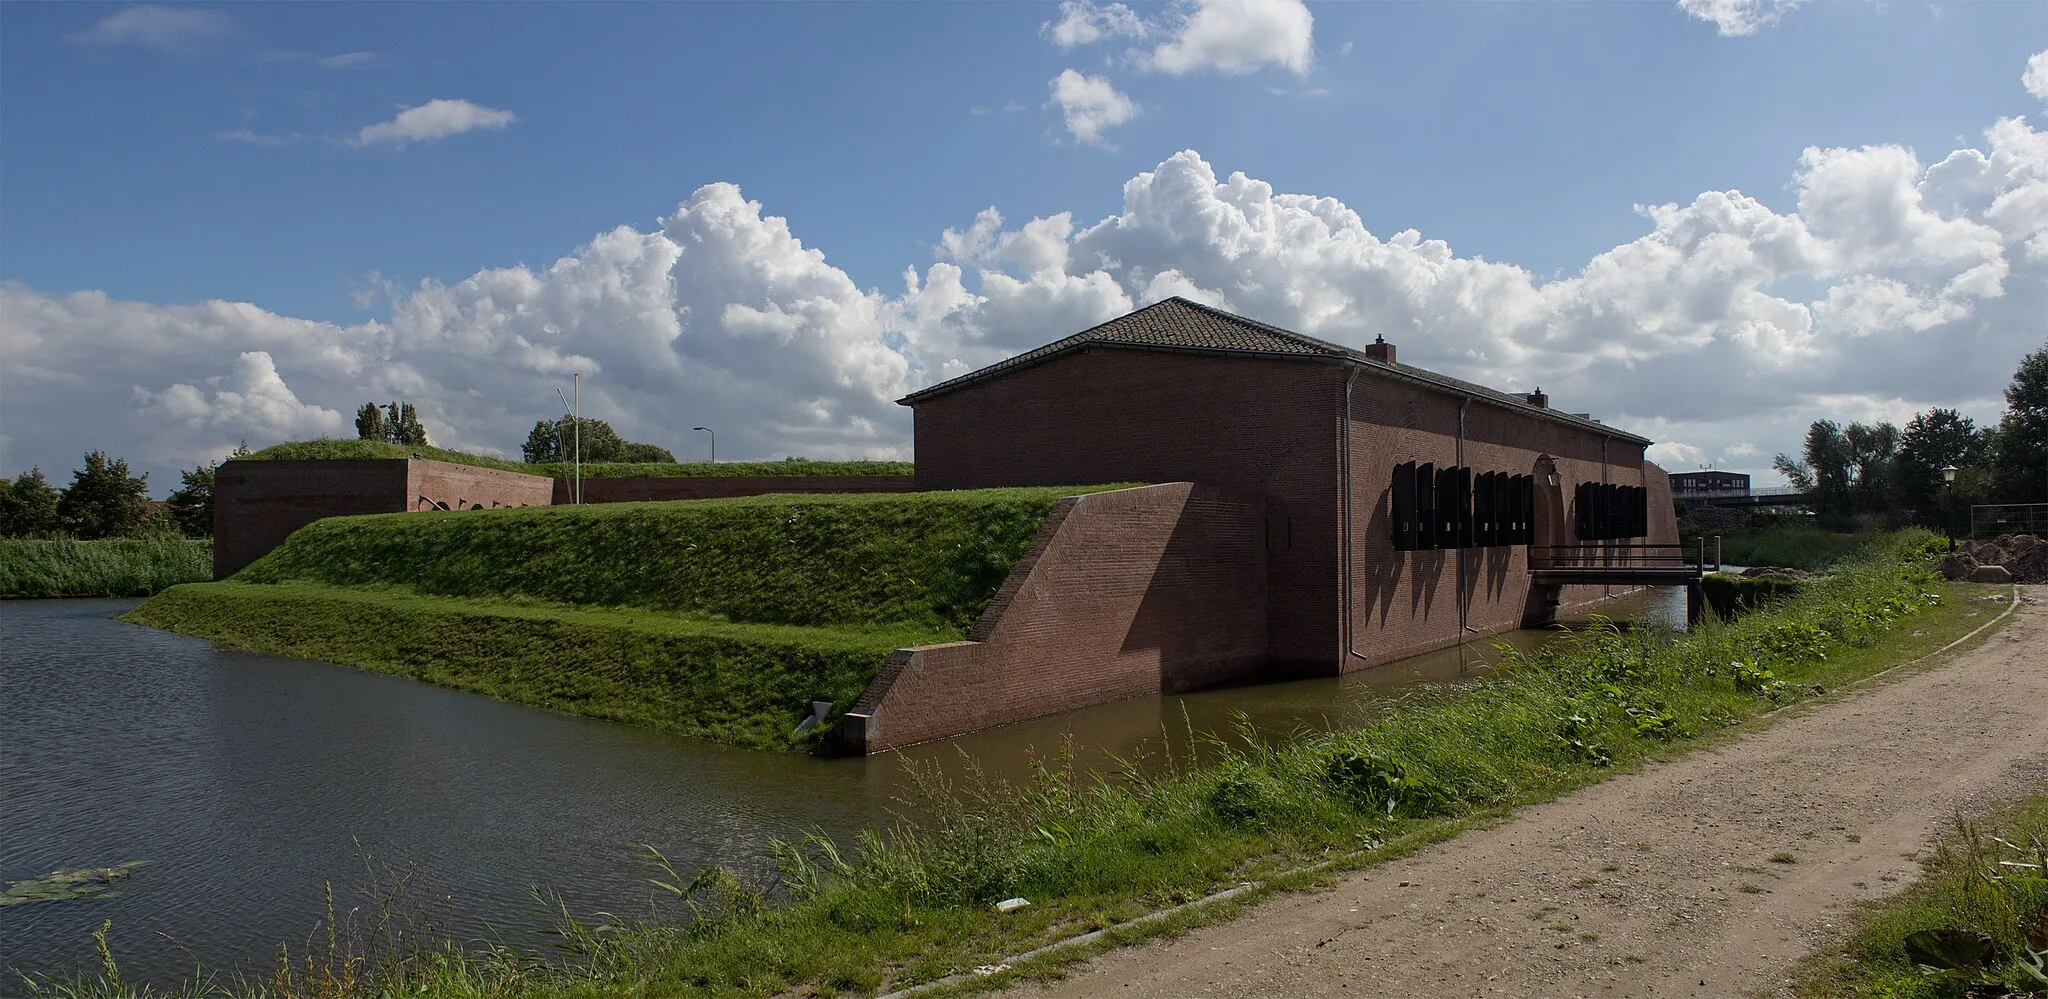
point(1933, 440)
point(28, 506)
point(103, 500)
point(2022, 468)
point(402, 426)
point(191, 504)
point(557, 442)
point(370, 423)
point(1847, 469)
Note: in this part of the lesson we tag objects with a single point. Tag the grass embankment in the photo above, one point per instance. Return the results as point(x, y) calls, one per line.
point(1979, 918)
point(1791, 546)
point(1731, 595)
point(716, 618)
point(118, 567)
point(912, 904)
point(331, 448)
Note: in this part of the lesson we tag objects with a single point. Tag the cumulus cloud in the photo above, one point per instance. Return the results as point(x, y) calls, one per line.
point(1085, 23)
point(1723, 329)
point(1736, 18)
point(1225, 36)
point(1239, 36)
point(2035, 79)
point(436, 119)
point(156, 27)
point(1090, 104)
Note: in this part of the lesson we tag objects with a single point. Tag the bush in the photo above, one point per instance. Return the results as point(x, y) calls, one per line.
point(118, 567)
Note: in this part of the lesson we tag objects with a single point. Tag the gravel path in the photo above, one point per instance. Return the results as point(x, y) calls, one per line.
point(1706, 876)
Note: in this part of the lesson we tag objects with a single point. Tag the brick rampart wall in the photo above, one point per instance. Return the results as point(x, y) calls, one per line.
point(1135, 591)
point(257, 504)
point(651, 488)
point(441, 485)
point(1259, 427)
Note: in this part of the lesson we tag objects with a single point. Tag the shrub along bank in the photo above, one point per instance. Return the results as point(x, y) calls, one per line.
point(115, 567)
point(912, 904)
point(333, 448)
point(716, 618)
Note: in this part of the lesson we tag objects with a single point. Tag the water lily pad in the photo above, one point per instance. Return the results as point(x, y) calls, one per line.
point(63, 885)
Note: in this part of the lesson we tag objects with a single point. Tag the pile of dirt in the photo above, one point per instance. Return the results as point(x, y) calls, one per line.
point(2023, 558)
point(1778, 572)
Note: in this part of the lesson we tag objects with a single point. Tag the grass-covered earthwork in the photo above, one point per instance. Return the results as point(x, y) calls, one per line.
point(333, 448)
point(116, 567)
point(716, 618)
point(913, 904)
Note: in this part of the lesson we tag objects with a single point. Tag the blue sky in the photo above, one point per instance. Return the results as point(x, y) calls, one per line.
point(185, 154)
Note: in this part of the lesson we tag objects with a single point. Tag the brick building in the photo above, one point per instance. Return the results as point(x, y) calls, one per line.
point(1402, 507)
point(1709, 484)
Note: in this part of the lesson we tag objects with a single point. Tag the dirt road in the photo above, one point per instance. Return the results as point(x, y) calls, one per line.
point(1707, 876)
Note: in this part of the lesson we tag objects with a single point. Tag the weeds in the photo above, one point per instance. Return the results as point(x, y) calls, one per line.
point(117, 567)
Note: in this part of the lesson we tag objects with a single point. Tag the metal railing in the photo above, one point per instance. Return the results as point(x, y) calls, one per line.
point(1991, 520)
point(1624, 556)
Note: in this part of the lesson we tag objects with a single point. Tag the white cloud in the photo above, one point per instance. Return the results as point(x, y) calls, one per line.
point(436, 119)
point(1736, 18)
point(246, 136)
point(344, 60)
point(1239, 36)
point(1675, 456)
point(1085, 23)
point(156, 27)
point(2035, 79)
point(1918, 286)
point(1090, 104)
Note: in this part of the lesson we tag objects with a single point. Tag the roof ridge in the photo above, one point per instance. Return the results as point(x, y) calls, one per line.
point(1263, 327)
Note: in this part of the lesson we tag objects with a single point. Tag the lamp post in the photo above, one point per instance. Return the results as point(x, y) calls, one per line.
point(1948, 495)
point(576, 423)
point(714, 442)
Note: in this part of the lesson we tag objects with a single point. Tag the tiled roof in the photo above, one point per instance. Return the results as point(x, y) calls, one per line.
point(1177, 324)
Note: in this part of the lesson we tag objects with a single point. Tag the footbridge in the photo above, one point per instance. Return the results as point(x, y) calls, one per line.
point(1553, 567)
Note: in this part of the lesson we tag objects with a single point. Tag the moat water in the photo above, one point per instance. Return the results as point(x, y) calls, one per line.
point(252, 783)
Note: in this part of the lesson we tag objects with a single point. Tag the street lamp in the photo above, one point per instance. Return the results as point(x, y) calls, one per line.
point(1948, 491)
point(576, 422)
point(714, 442)
point(1948, 475)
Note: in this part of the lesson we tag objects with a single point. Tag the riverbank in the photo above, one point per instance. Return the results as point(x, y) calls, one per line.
point(913, 905)
point(117, 567)
point(1792, 546)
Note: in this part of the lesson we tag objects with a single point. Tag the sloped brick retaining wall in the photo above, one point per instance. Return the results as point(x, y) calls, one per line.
point(1134, 591)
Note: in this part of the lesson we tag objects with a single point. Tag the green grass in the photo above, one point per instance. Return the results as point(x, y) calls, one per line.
point(1731, 595)
point(912, 903)
point(926, 560)
point(331, 448)
point(122, 567)
point(745, 684)
point(1790, 546)
point(1987, 876)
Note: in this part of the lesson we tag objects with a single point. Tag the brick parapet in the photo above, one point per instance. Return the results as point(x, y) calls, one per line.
point(642, 489)
point(1133, 591)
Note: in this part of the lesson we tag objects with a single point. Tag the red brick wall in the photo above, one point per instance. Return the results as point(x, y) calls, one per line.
point(441, 485)
point(1135, 591)
point(257, 504)
point(1405, 603)
point(644, 489)
point(1259, 427)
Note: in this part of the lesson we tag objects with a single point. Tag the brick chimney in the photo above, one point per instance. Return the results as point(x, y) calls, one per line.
point(1380, 350)
point(1537, 398)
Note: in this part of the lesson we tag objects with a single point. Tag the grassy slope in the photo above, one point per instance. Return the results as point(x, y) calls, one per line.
point(1969, 887)
point(715, 618)
point(930, 560)
point(745, 684)
point(113, 568)
point(329, 448)
point(912, 905)
point(1791, 546)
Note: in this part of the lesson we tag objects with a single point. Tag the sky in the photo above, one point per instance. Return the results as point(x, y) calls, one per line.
point(1708, 222)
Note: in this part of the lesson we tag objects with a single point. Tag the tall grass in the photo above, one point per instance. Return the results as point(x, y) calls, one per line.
point(118, 567)
point(911, 903)
point(331, 448)
point(1793, 546)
